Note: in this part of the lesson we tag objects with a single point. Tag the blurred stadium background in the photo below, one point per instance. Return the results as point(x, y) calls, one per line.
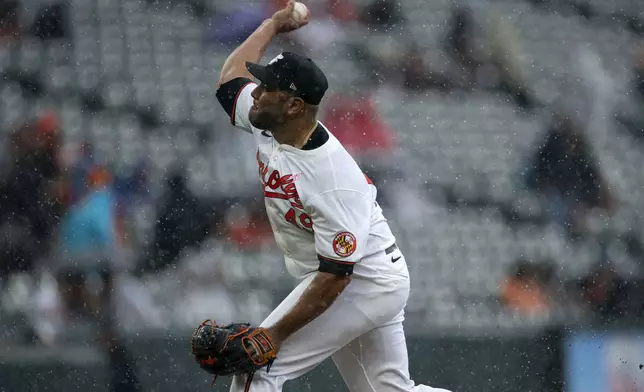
point(505, 136)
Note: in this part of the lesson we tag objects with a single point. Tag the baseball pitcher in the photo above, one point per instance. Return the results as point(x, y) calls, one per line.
point(354, 281)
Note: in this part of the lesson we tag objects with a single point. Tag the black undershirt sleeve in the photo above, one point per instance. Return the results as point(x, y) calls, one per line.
point(228, 92)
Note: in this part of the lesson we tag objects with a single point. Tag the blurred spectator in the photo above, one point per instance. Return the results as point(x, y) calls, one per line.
point(630, 114)
point(459, 43)
point(526, 290)
point(342, 10)
point(505, 53)
point(383, 48)
point(382, 15)
point(380, 55)
point(88, 245)
point(417, 76)
point(29, 202)
point(89, 255)
point(180, 224)
point(398, 62)
point(490, 65)
point(605, 292)
point(566, 174)
point(245, 225)
point(9, 20)
point(638, 73)
point(51, 22)
point(133, 183)
point(131, 187)
point(355, 121)
point(77, 171)
point(234, 26)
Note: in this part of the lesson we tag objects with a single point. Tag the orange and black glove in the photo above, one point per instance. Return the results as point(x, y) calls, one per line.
point(233, 349)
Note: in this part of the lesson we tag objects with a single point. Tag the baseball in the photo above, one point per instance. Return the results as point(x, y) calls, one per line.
point(300, 12)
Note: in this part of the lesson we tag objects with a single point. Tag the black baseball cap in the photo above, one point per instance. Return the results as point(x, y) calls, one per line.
point(293, 73)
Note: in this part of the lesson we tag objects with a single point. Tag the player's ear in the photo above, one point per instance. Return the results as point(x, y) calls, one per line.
point(294, 105)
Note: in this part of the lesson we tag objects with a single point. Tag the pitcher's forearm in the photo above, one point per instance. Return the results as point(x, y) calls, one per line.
point(252, 49)
point(321, 293)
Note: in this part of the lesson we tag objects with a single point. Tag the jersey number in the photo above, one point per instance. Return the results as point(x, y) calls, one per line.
point(293, 218)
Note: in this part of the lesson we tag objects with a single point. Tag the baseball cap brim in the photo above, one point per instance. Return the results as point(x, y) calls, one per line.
point(260, 73)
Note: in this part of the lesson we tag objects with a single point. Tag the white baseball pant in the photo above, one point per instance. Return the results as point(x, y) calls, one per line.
point(363, 333)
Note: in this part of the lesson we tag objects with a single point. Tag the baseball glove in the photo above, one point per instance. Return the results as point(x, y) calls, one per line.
point(232, 349)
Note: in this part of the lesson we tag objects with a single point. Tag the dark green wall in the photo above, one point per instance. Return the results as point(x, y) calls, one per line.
point(461, 364)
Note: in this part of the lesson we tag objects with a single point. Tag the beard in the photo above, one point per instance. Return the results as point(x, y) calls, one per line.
point(264, 120)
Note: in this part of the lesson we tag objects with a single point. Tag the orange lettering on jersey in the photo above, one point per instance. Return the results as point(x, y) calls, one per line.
point(287, 185)
point(275, 195)
point(306, 221)
point(274, 180)
point(290, 191)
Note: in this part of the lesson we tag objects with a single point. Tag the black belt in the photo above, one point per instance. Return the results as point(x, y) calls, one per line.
point(391, 249)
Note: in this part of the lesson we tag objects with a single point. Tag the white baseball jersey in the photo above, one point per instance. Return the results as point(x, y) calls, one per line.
point(325, 217)
point(321, 206)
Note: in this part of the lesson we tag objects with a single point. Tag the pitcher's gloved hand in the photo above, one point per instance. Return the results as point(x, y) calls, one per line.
point(233, 349)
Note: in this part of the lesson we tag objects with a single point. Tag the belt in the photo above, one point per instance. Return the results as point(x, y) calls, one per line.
point(391, 249)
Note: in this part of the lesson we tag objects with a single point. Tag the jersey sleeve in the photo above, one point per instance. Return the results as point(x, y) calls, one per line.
point(341, 221)
point(234, 96)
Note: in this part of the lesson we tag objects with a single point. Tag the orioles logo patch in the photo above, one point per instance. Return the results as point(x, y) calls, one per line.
point(344, 244)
